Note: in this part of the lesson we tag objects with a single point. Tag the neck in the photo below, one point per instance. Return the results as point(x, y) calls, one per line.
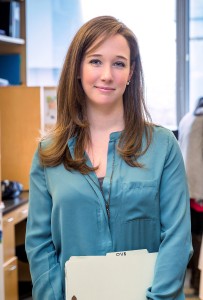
point(103, 120)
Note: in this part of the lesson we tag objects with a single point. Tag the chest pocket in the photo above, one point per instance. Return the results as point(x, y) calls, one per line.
point(140, 201)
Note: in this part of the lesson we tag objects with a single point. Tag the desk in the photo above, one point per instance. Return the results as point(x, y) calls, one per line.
point(15, 211)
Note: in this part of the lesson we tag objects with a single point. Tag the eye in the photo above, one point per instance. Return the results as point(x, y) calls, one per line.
point(119, 64)
point(95, 62)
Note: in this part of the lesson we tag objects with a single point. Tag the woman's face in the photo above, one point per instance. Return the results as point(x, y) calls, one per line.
point(105, 71)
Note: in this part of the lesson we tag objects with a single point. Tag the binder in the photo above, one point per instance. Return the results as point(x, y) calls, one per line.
point(10, 18)
point(10, 65)
point(118, 275)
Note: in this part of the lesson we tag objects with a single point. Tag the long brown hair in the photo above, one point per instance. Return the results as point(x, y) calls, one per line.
point(71, 107)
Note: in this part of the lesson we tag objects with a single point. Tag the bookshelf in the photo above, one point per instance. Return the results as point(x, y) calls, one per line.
point(20, 127)
point(1, 236)
point(10, 45)
point(24, 113)
point(11, 40)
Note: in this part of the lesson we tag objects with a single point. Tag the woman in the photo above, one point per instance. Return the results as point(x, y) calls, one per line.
point(106, 179)
point(191, 144)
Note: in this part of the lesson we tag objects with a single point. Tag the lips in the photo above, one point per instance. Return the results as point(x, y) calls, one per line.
point(105, 88)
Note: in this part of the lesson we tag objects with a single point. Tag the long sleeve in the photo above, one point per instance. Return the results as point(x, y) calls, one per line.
point(175, 248)
point(191, 145)
point(44, 266)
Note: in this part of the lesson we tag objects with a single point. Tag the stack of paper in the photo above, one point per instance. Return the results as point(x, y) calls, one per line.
point(116, 276)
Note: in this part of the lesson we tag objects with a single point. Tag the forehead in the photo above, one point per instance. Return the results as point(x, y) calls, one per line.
point(116, 43)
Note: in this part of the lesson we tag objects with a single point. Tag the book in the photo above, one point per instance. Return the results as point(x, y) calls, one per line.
point(10, 18)
point(10, 68)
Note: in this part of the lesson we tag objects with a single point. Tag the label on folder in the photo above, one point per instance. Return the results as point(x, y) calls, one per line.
point(118, 275)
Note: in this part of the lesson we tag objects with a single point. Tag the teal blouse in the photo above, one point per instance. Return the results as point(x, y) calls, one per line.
point(149, 209)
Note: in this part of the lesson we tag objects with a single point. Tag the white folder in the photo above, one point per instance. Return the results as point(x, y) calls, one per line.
point(116, 276)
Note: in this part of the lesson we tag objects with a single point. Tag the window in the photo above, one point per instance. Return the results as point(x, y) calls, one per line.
point(50, 27)
point(153, 22)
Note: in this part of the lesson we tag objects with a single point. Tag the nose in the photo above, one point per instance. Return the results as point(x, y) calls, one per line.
point(106, 73)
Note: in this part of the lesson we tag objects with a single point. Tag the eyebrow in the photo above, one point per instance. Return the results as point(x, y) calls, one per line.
point(99, 55)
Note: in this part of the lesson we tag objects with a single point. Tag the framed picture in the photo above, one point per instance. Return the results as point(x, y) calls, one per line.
point(49, 107)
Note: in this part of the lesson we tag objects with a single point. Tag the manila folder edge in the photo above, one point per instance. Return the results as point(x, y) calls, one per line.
point(119, 275)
